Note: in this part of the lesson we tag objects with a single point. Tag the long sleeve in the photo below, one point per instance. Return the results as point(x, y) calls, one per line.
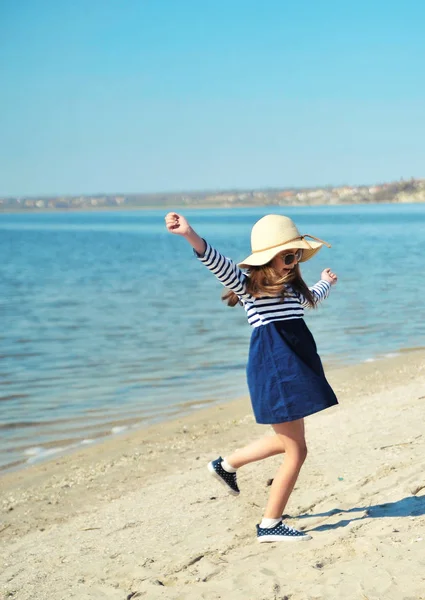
point(226, 271)
point(320, 292)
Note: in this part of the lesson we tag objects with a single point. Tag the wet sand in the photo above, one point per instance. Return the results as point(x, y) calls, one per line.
point(139, 516)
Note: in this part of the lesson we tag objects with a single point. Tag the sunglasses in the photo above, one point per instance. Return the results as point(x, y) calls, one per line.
point(288, 259)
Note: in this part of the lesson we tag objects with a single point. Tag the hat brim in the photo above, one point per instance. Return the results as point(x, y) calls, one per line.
point(257, 259)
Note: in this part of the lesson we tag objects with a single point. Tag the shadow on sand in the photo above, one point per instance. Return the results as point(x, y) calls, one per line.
point(412, 506)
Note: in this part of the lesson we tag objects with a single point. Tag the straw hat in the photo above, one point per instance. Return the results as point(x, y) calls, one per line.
point(273, 234)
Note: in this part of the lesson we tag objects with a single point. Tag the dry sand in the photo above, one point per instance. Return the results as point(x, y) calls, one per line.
point(139, 516)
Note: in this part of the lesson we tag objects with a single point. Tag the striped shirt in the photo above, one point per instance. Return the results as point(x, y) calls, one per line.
point(260, 311)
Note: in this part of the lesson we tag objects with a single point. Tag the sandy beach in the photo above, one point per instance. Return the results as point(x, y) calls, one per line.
point(139, 516)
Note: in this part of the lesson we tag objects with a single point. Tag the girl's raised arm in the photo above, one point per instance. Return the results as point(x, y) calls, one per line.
point(226, 271)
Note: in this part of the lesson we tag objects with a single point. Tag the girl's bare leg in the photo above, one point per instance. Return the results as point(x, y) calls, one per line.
point(289, 438)
point(292, 438)
point(262, 448)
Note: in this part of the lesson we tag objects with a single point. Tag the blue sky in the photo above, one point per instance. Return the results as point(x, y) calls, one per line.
point(169, 95)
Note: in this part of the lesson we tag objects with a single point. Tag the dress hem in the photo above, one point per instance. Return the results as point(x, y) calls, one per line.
point(288, 420)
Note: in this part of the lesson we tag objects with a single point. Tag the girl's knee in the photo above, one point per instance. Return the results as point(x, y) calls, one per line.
point(298, 453)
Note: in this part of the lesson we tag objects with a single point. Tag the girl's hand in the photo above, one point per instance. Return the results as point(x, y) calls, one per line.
point(177, 224)
point(327, 275)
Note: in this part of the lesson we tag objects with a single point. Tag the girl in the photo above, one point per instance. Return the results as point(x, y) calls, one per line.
point(285, 375)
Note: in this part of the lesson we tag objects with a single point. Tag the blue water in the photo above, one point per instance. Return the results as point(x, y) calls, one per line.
point(108, 322)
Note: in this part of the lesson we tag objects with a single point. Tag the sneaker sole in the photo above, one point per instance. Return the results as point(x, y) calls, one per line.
point(283, 538)
point(214, 474)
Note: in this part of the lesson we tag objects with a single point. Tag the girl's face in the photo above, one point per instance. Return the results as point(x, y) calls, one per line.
point(285, 261)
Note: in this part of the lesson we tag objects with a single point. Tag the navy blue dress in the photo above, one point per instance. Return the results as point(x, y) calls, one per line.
point(285, 375)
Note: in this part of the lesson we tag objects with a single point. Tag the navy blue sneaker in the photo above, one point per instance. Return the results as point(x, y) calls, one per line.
point(281, 533)
point(228, 479)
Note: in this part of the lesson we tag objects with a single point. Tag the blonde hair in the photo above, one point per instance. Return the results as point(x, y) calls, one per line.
point(265, 281)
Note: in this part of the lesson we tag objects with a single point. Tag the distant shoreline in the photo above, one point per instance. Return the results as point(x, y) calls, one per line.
point(167, 208)
point(403, 192)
